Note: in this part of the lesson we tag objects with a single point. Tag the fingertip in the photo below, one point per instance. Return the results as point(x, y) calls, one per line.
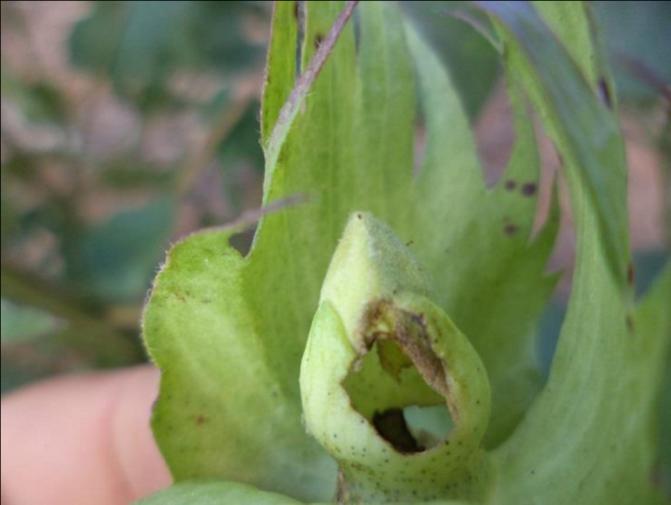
point(139, 458)
point(82, 439)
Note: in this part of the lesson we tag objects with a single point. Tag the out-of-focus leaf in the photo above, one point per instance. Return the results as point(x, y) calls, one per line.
point(242, 142)
point(8, 216)
point(664, 456)
point(608, 359)
point(241, 159)
point(218, 35)
point(647, 266)
point(472, 61)
point(636, 32)
point(458, 213)
point(219, 103)
point(215, 493)
point(569, 21)
point(568, 106)
point(132, 44)
point(20, 323)
point(140, 44)
point(25, 364)
point(85, 333)
point(115, 260)
point(125, 173)
point(40, 102)
point(548, 333)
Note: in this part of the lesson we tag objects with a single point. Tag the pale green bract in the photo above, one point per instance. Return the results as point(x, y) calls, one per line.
point(431, 297)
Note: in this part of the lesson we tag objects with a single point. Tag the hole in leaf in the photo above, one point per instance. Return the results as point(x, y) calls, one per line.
point(414, 428)
point(386, 387)
point(428, 425)
point(392, 426)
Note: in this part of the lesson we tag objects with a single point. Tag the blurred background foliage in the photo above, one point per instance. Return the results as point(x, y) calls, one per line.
point(126, 125)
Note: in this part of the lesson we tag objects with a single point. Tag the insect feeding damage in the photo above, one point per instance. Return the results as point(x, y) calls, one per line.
point(385, 321)
point(392, 426)
point(402, 340)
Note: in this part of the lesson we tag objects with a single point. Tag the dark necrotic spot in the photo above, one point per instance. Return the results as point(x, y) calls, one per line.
point(296, 10)
point(529, 189)
point(510, 229)
point(200, 419)
point(604, 91)
point(391, 426)
point(510, 185)
point(319, 38)
point(631, 274)
point(630, 323)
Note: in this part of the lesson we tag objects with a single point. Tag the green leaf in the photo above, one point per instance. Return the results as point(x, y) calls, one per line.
point(228, 331)
point(594, 415)
point(599, 400)
point(267, 299)
point(222, 410)
point(584, 130)
point(569, 21)
point(475, 240)
point(653, 320)
point(473, 63)
point(363, 149)
point(127, 173)
point(214, 493)
point(281, 64)
point(40, 102)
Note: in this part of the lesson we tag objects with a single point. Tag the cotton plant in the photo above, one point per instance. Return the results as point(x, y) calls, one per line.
point(377, 343)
